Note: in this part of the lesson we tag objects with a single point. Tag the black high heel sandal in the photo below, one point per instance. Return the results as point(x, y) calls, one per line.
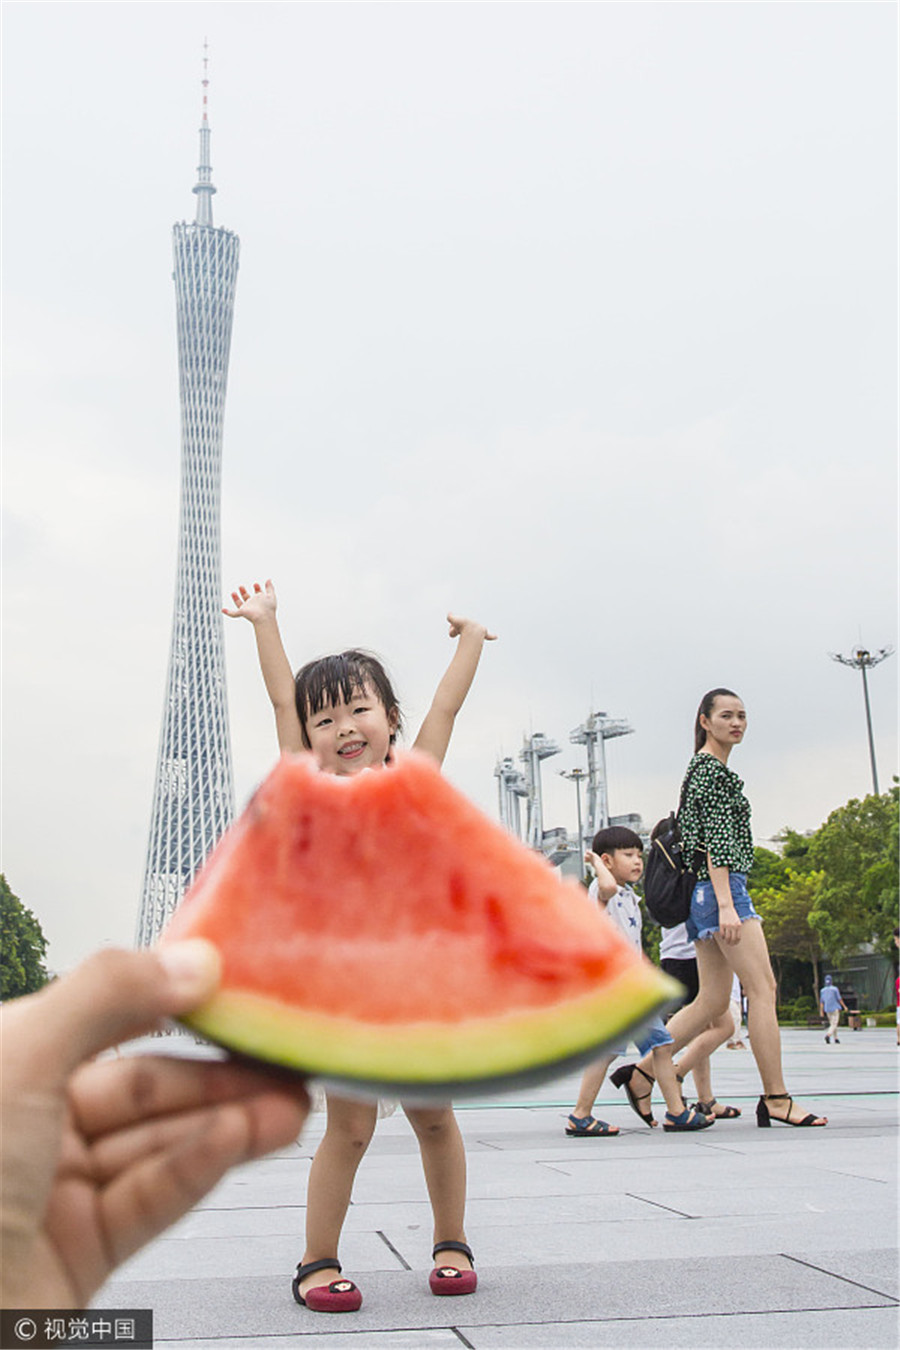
point(709, 1109)
point(622, 1078)
point(764, 1117)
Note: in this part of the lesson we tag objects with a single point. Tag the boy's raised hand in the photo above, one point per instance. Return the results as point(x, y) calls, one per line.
point(459, 626)
point(254, 605)
point(606, 882)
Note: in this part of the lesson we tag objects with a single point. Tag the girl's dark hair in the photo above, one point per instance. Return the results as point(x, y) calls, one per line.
point(706, 707)
point(340, 679)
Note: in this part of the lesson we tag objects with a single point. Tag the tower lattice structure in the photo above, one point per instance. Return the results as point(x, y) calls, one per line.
point(193, 799)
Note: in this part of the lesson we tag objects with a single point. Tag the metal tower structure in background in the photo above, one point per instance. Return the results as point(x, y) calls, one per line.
point(511, 786)
point(193, 798)
point(536, 747)
point(593, 734)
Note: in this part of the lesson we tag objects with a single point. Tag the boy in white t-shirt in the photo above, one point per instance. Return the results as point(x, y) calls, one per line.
point(617, 858)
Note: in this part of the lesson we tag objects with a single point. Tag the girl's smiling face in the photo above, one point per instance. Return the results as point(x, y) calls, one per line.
point(348, 737)
point(727, 721)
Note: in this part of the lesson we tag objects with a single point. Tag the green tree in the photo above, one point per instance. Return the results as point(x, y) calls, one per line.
point(795, 849)
point(786, 912)
point(22, 968)
point(769, 870)
point(857, 849)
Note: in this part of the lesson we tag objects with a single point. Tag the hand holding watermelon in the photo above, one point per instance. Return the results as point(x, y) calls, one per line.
point(99, 1156)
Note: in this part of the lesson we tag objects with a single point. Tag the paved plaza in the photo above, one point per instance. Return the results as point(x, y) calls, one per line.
point(732, 1237)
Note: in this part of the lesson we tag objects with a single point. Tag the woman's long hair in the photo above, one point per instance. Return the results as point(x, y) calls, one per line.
point(706, 707)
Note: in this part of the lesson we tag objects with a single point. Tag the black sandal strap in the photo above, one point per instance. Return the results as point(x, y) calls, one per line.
point(453, 1247)
point(312, 1266)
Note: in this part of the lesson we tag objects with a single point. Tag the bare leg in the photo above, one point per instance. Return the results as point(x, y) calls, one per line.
point(591, 1083)
point(664, 1073)
point(749, 959)
point(695, 1059)
point(709, 1005)
point(444, 1163)
point(348, 1134)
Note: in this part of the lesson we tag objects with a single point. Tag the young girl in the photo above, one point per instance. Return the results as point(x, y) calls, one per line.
point(723, 923)
point(344, 710)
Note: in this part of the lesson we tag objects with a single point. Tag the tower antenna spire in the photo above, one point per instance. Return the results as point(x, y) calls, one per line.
point(204, 185)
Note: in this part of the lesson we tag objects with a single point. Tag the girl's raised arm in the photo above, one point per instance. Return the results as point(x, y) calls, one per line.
point(436, 730)
point(259, 606)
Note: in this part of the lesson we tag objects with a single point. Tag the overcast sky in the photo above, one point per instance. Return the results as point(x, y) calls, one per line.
point(579, 319)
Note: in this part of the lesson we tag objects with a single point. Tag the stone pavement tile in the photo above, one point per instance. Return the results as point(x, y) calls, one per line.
point(876, 1270)
point(605, 1241)
point(400, 1301)
point(507, 1232)
point(173, 1258)
point(280, 1221)
point(262, 1191)
point(500, 1174)
point(857, 1329)
point(511, 1211)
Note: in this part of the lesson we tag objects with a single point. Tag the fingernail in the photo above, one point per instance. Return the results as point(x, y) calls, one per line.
point(193, 967)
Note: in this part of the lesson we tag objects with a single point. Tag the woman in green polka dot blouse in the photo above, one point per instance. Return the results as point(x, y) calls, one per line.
point(727, 932)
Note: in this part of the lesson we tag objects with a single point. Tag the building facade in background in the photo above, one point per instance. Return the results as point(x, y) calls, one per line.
point(193, 798)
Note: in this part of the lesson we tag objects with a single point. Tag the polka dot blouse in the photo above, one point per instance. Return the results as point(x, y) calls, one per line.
point(715, 817)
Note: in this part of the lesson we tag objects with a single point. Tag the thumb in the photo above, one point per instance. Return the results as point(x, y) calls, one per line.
point(112, 996)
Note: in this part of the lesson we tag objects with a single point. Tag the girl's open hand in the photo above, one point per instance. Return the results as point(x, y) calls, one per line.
point(253, 605)
point(459, 626)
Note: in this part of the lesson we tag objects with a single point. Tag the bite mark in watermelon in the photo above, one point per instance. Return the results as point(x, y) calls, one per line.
point(380, 931)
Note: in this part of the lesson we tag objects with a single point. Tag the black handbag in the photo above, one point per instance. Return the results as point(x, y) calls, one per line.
point(668, 881)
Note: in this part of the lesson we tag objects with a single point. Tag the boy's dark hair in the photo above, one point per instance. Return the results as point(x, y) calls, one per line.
point(705, 710)
point(340, 679)
point(613, 837)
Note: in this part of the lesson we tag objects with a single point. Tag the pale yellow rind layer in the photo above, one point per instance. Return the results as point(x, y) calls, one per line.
point(431, 1052)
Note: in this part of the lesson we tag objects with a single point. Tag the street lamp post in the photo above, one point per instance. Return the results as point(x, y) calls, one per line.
point(862, 661)
point(577, 776)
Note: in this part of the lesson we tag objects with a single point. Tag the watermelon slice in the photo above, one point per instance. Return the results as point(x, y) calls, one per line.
point(382, 933)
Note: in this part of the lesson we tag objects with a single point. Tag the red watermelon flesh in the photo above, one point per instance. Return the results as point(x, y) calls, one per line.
point(380, 930)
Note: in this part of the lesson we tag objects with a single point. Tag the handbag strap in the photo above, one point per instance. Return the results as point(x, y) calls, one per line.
point(684, 787)
point(681, 800)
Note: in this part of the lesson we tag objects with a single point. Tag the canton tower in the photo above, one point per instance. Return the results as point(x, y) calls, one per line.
point(193, 797)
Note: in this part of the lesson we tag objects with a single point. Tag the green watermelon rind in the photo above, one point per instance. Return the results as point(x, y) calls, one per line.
point(462, 1057)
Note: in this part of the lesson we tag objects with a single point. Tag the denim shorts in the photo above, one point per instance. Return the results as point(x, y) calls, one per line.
point(646, 1038)
point(703, 919)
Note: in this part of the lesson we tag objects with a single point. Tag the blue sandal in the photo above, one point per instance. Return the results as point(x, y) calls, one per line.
point(688, 1120)
point(586, 1127)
